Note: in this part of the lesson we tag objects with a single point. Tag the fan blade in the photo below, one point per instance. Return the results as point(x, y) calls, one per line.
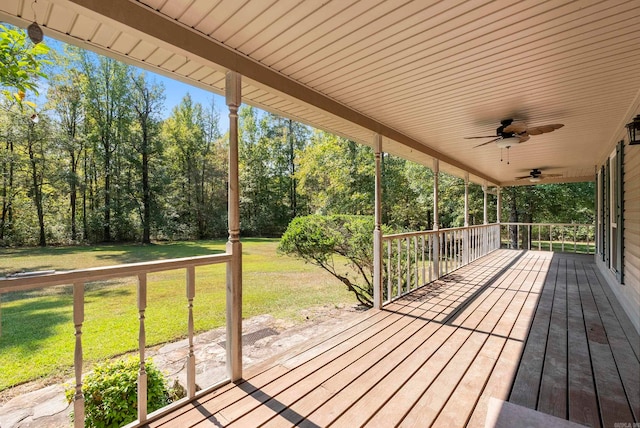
point(524, 138)
point(486, 136)
point(488, 142)
point(516, 128)
point(537, 130)
point(523, 177)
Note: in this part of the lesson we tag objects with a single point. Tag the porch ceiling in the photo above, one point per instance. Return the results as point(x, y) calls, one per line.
point(424, 74)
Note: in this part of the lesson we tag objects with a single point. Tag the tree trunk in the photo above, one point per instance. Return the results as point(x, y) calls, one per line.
point(37, 189)
point(146, 192)
point(107, 192)
point(7, 191)
point(73, 194)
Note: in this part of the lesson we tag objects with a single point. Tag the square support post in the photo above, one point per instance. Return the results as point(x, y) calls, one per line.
point(377, 232)
point(234, 247)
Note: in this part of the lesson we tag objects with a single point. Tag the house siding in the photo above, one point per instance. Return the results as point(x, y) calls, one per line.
point(628, 292)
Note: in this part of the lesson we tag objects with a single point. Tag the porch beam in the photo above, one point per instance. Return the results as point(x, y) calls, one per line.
point(234, 247)
point(377, 232)
point(144, 20)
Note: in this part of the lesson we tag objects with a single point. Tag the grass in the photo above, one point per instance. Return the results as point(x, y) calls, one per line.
point(38, 340)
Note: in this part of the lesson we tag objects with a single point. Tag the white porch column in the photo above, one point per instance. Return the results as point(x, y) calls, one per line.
point(436, 222)
point(466, 199)
point(465, 234)
point(234, 247)
point(377, 232)
point(498, 203)
point(484, 213)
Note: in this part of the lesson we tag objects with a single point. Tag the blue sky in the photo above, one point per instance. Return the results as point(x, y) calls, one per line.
point(175, 91)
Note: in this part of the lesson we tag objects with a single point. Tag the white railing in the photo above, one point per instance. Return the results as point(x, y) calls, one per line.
point(79, 278)
point(563, 237)
point(413, 259)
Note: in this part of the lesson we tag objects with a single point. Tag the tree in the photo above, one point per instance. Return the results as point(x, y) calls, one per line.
point(108, 112)
point(195, 154)
point(336, 176)
point(22, 64)
point(147, 102)
point(326, 241)
point(66, 98)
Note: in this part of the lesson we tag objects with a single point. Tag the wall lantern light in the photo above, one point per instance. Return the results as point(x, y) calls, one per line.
point(634, 131)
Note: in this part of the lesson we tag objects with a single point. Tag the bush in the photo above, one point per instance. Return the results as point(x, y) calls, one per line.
point(318, 239)
point(110, 393)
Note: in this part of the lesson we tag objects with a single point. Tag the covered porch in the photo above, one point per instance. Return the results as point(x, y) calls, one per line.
point(535, 330)
point(530, 335)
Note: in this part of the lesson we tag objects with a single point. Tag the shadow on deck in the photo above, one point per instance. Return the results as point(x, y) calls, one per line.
point(514, 336)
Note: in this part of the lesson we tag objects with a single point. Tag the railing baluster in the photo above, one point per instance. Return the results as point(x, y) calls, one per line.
point(575, 239)
point(389, 270)
point(78, 320)
point(408, 280)
point(424, 273)
point(399, 268)
point(415, 252)
point(539, 227)
point(430, 244)
point(191, 358)
point(142, 371)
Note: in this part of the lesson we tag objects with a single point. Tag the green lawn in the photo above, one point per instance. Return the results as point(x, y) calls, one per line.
point(37, 328)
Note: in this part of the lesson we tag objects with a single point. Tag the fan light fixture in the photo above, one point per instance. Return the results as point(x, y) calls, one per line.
point(535, 179)
point(633, 128)
point(505, 143)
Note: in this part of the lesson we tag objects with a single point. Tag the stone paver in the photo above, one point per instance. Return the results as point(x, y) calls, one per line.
point(47, 407)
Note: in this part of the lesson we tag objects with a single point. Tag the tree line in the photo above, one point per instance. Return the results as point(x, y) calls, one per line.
point(93, 160)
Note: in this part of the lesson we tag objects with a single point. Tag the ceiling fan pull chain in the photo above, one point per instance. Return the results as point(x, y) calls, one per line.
point(500, 155)
point(507, 155)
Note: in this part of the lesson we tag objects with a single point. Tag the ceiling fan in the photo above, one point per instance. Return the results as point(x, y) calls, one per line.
point(511, 133)
point(536, 175)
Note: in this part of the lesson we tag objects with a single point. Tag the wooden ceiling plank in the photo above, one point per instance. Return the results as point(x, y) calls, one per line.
point(514, 40)
point(299, 33)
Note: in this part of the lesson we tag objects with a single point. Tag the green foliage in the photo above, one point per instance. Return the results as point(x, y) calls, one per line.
point(110, 392)
point(329, 241)
point(22, 63)
point(107, 167)
point(337, 176)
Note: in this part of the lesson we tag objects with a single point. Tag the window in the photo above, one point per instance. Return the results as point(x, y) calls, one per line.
point(610, 212)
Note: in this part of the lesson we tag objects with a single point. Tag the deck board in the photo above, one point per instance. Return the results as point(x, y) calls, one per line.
point(583, 402)
point(527, 327)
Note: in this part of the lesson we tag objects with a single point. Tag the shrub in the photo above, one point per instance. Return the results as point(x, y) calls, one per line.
point(110, 393)
point(318, 239)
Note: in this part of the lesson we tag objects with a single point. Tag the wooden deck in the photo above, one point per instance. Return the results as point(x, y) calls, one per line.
point(537, 329)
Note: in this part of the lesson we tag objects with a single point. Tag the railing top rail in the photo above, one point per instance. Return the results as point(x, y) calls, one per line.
point(106, 272)
point(548, 224)
point(428, 232)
